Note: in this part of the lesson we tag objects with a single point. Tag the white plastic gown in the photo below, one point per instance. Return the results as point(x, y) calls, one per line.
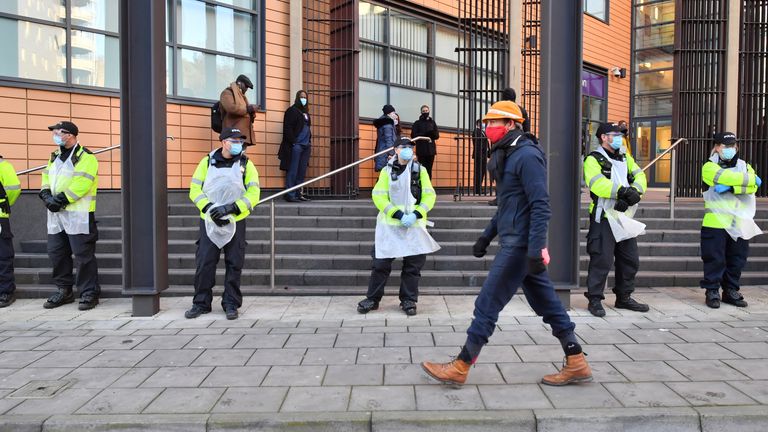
point(222, 186)
point(623, 226)
point(73, 219)
point(736, 212)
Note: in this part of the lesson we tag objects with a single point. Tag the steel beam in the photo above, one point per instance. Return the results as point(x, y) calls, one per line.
point(561, 34)
point(143, 153)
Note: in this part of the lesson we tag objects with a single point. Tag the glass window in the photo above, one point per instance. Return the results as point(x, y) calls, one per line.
point(33, 51)
point(408, 69)
point(408, 32)
point(204, 76)
point(96, 14)
point(404, 99)
point(446, 109)
point(655, 36)
point(652, 106)
point(373, 20)
point(597, 8)
point(656, 81)
point(446, 41)
point(652, 59)
point(49, 10)
point(216, 28)
point(95, 60)
point(447, 77)
point(656, 13)
point(371, 61)
point(372, 97)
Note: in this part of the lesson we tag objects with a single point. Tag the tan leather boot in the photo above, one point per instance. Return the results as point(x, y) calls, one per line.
point(454, 372)
point(575, 369)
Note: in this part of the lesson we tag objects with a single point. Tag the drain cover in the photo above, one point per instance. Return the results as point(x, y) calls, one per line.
point(40, 389)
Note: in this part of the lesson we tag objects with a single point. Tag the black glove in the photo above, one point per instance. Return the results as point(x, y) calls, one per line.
point(631, 196)
point(222, 211)
point(205, 209)
point(61, 200)
point(536, 265)
point(49, 200)
point(480, 246)
point(221, 222)
point(621, 205)
point(45, 194)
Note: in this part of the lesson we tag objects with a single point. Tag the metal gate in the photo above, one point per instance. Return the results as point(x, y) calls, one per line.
point(753, 87)
point(531, 61)
point(330, 69)
point(483, 48)
point(698, 85)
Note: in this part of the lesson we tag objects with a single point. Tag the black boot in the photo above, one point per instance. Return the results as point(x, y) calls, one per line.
point(595, 307)
point(61, 297)
point(733, 297)
point(627, 302)
point(713, 298)
point(367, 305)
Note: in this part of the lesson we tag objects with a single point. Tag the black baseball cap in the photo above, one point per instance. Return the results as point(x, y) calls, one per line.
point(66, 126)
point(231, 133)
point(405, 141)
point(387, 109)
point(727, 138)
point(606, 128)
point(245, 80)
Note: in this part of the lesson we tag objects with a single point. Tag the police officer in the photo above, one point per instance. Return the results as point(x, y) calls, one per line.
point(728, 222)
point(404, 195)
point(518, 166)
point(69, 192)
point(616, 184)
point(225, 187)
point(10, 189)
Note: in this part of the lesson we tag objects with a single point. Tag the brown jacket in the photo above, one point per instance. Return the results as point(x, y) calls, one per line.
point(234, 111)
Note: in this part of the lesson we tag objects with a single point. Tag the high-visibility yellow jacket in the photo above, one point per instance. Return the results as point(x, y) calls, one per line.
point(10, 188)
point(244, 204)
point(598, 179)
point(725, 174)
point(84, 181)
point(382, 201)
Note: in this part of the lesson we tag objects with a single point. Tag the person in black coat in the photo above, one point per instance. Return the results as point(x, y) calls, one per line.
point(296, 146)
point(387, 133)
point(511, 95)
point(481, 151)
point(425, 126)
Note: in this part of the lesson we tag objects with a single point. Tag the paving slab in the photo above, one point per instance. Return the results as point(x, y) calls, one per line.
point(127, 423)
point(446, 397)
point(251, 399)
point(382, 398)
point(185, 401)
point(513, 397)
point(453, 421)
point(236, 376)
point(120, 401)
point(742, 419)
point(710, 393)
point(349, 375)
point(305, 399)
point(645, 395)
point(619, 419)
point(295, 422)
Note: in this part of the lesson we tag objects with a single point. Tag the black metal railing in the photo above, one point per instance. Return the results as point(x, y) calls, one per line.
point(531, 58)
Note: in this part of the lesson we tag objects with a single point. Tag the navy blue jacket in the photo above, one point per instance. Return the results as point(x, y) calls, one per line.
point(385, 138)
point(523, 212)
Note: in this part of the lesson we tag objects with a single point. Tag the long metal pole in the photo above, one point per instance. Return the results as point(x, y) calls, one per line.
point(272, 245)
point(672, 147)
point(672, 183)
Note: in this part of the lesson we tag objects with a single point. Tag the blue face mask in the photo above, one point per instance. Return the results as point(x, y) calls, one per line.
point(303, 101)
point(728, 153)
point(235, 148)
point(59, 140)
point(617, 142)
point(406, 154)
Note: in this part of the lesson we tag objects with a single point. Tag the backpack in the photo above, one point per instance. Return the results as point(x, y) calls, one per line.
point(216, 117)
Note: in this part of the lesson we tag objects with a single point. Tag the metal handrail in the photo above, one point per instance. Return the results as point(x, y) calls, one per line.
point(672, 173)
point(104, 150)
point(271, 200)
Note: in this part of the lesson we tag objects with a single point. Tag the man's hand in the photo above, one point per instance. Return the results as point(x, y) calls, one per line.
point(480, 247)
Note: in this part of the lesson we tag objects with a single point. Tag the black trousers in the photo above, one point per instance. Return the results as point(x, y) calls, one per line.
point(409, 277)
point(206, 260)
point(605, 252)
point(7, 280)
point(480, 170)
point(723, 259)
point(62, 247)
point(427, 161)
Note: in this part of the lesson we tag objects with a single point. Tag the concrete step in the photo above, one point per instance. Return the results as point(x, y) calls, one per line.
point(656, 279)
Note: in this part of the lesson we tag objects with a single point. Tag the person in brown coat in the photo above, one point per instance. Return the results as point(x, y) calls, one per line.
point(236, 112)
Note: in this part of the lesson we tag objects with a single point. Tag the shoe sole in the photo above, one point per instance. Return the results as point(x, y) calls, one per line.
point(365, 311)
point(47, 305)
point(570, 381)
point(455, 384)
point(193, 317)
point(631, 309)
point(88, 307)
point(598, 314)
point(733, 304)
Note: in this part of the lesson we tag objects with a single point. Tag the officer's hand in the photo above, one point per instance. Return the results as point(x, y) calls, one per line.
point(61, 200)
point(631, 196)
point(51, 205)
point(408, 219)
point(721, 188)
point(232, 209)
point(480, 247)
point(536, 265)
point(621, 205)
point(205, 209)
point(221, 222)
point(44, 194)
point(219, 212)
point(758, 181)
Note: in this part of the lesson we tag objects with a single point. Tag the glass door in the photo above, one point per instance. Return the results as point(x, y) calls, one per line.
point(651, 138)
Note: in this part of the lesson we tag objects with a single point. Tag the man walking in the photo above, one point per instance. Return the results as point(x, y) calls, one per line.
point(225, 187)
point(236, 112)
point(69, 186)
point(518, 166)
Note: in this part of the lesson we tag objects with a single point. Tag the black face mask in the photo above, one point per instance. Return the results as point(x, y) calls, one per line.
point(425, 115)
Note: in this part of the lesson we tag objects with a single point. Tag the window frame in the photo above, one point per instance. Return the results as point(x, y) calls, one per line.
point(607, 12)
point(431, 56)
point(171, 95)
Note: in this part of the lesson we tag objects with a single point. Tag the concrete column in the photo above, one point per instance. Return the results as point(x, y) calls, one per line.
point(732, 66)
point(515, 44)
point(297, 41)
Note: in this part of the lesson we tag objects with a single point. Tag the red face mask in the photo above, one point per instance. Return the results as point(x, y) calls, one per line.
point(495, 133)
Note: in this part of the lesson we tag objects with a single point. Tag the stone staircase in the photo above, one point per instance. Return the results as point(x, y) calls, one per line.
point(323, 247)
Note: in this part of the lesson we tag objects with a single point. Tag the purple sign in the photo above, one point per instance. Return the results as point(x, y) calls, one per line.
point(593, 84)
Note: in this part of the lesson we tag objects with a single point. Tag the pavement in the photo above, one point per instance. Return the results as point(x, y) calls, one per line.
point(314, 364)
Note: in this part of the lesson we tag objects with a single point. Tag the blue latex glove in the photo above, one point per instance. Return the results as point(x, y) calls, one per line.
point(758, 181)
point(720, 188)
point(408, 220)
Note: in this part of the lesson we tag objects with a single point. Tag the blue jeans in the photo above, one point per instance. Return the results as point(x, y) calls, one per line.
point(298, 169)
point(508, 272)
